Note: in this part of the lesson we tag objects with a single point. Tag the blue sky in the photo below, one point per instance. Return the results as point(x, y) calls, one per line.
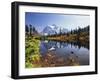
point(41, 20)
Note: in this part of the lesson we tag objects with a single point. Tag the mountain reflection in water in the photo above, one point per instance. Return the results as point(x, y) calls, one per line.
point(55, 53)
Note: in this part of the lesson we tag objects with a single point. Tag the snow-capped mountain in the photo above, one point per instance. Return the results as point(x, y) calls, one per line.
point(53, 29)
point(48, 30)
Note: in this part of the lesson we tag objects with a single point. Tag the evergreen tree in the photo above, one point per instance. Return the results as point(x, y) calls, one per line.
point(30, 29)
point(26, 29)
point(71, 32)
point(34, 29)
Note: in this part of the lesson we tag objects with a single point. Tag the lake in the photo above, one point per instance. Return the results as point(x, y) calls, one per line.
point(57, 53)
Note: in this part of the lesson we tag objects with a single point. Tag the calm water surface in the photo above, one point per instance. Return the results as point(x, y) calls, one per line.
point(64, 53)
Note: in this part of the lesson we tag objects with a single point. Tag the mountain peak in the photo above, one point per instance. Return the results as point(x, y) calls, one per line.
point(53, 29)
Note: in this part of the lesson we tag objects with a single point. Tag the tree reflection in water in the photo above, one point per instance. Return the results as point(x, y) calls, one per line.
point(65, 54)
